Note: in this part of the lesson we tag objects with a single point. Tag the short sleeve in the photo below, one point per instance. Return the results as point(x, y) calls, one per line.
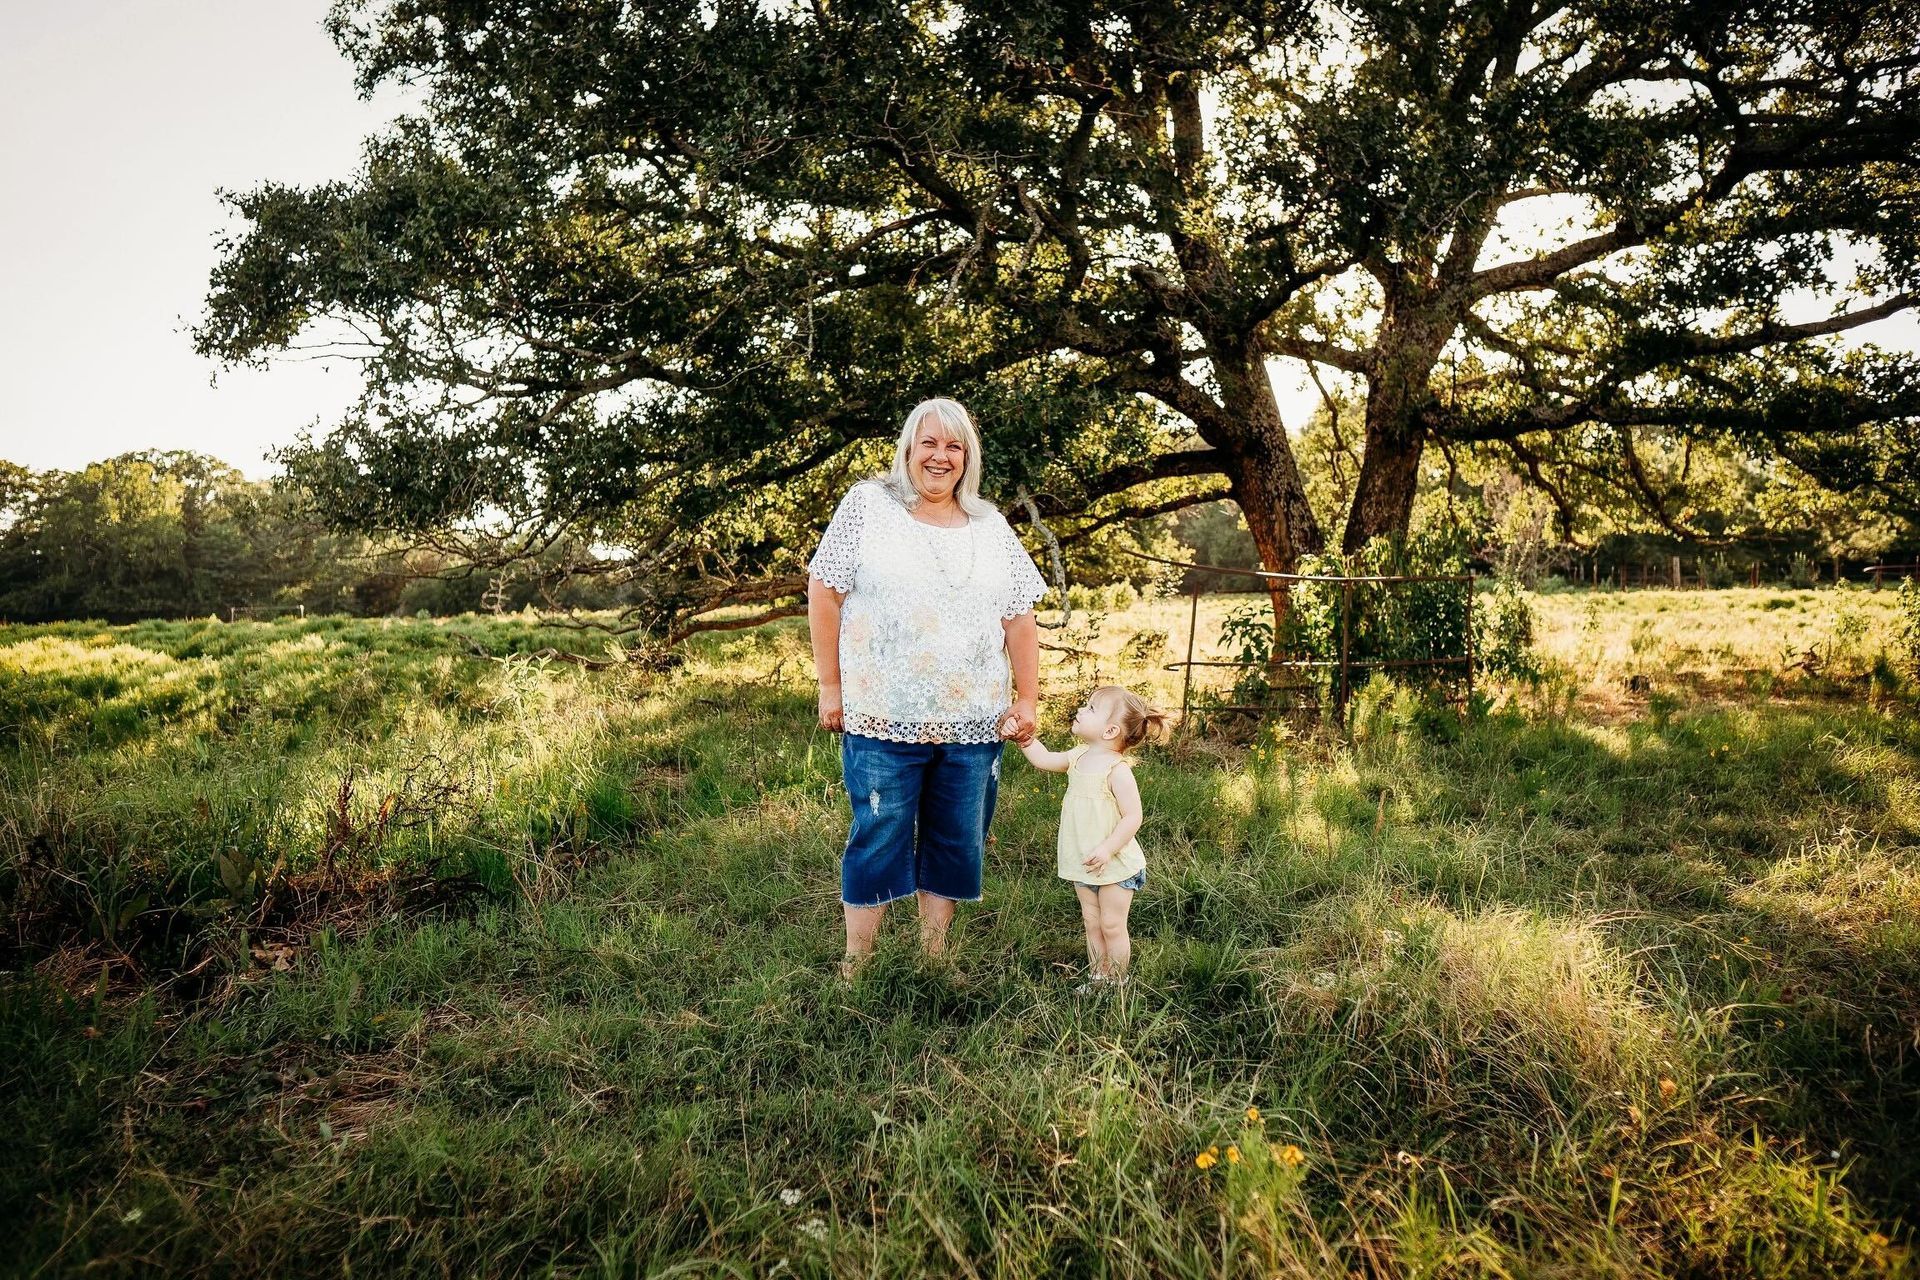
point(1025, 586)
point(837, 559)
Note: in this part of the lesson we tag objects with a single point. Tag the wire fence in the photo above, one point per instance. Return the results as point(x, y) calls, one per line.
point(1360, 623)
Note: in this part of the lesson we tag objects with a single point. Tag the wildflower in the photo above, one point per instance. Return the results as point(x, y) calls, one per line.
point(1877, 1240)
point(1667, 1088)
point(1392, 937)
point(1233, 1154)
point(814, 1228)
point(1253, 1115)
point(1406, 1157)
point(790, 1197)
point(1323, 980)
point(1205, 1160)
point(1290, 1156)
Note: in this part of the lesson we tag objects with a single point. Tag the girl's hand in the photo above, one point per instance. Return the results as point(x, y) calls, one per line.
point(833, 716)
point(1021, 720)
point(1096, 861)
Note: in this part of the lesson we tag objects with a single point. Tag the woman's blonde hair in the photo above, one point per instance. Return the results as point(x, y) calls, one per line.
point(1138, 718)
point(951, 415)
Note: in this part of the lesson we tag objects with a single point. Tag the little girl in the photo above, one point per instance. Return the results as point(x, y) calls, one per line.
point(1098, 854)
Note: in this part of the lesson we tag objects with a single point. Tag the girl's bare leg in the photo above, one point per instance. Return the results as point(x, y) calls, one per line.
point(1090, 920)
point(1114, 905)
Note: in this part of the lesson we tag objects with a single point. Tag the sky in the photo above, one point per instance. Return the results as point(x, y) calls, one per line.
point(119, 123)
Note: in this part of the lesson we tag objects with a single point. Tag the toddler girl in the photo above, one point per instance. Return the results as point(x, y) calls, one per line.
point(1098, 854)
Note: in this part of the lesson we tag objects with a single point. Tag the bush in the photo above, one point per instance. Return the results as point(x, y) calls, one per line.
point(1388, 622)
point(1504, 622)
point(1906, 632)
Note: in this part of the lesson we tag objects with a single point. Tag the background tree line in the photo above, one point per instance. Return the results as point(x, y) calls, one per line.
point(180, 534)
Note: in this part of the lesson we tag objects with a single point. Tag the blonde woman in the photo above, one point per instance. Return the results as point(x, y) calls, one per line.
point(920, 604)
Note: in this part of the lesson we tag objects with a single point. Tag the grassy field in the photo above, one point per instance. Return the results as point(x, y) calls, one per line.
point(337, 947)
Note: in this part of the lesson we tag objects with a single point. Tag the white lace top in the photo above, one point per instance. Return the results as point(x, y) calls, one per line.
point(923, 657)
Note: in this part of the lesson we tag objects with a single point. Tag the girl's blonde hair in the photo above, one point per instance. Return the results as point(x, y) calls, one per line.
point(953, 416)
point(1138, 718)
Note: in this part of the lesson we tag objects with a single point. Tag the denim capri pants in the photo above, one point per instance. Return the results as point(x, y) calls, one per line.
point(920, 817)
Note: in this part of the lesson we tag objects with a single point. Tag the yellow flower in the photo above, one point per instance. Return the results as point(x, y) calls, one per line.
point(1289, 1155)
point(1667, 1088)
point(1205, 1160)
point(1253, 1115)
point(1233, 1154)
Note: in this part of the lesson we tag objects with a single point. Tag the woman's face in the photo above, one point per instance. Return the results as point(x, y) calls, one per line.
point(935, 459)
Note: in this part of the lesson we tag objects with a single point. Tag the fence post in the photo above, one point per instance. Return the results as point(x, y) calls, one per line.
point(1467, 708)
point(1186, 685)
point(1346, 615)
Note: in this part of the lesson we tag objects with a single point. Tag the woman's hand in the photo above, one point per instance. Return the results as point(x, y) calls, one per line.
point(1019, 721)
point(832, 715)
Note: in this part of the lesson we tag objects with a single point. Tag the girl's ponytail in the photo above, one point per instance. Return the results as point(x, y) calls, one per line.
point(1139, 719)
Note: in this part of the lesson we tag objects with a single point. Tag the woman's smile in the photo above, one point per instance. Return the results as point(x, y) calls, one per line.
point(936, 463)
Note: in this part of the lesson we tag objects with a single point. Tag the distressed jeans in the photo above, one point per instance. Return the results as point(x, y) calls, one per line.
point(920, 817)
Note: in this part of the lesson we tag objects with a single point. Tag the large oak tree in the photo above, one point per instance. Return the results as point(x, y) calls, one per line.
point(666, 270)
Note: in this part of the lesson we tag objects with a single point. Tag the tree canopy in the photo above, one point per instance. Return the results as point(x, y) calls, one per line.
point(669, 273)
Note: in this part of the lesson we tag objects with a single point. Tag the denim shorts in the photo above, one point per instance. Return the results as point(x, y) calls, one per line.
point(920, 817)
point(1136, 882)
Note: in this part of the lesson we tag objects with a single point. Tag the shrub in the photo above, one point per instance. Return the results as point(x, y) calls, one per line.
point(1504, 622)
point(1906, 632)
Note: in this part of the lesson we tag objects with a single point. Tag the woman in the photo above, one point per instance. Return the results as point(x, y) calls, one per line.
point(918, 597)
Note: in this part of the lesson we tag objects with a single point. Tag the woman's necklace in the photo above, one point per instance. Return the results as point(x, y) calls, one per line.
point(973, 549)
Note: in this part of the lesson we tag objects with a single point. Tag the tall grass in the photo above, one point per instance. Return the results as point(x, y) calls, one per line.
point(1601, 985)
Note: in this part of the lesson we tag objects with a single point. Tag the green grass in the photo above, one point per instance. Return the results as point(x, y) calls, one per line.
point(1623, 980)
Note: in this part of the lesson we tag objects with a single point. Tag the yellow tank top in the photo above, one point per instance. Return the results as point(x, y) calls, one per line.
point(1088, 816)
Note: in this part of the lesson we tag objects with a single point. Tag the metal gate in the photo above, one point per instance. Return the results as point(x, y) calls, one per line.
point(1342, 667)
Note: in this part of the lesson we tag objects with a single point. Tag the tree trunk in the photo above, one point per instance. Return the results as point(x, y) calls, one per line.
point(1264, 476)
point(1397, 389)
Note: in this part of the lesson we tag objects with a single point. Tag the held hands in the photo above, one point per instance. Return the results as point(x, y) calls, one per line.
point(1019, 722)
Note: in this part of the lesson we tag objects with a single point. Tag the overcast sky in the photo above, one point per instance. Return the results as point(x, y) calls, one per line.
point(118, 123)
